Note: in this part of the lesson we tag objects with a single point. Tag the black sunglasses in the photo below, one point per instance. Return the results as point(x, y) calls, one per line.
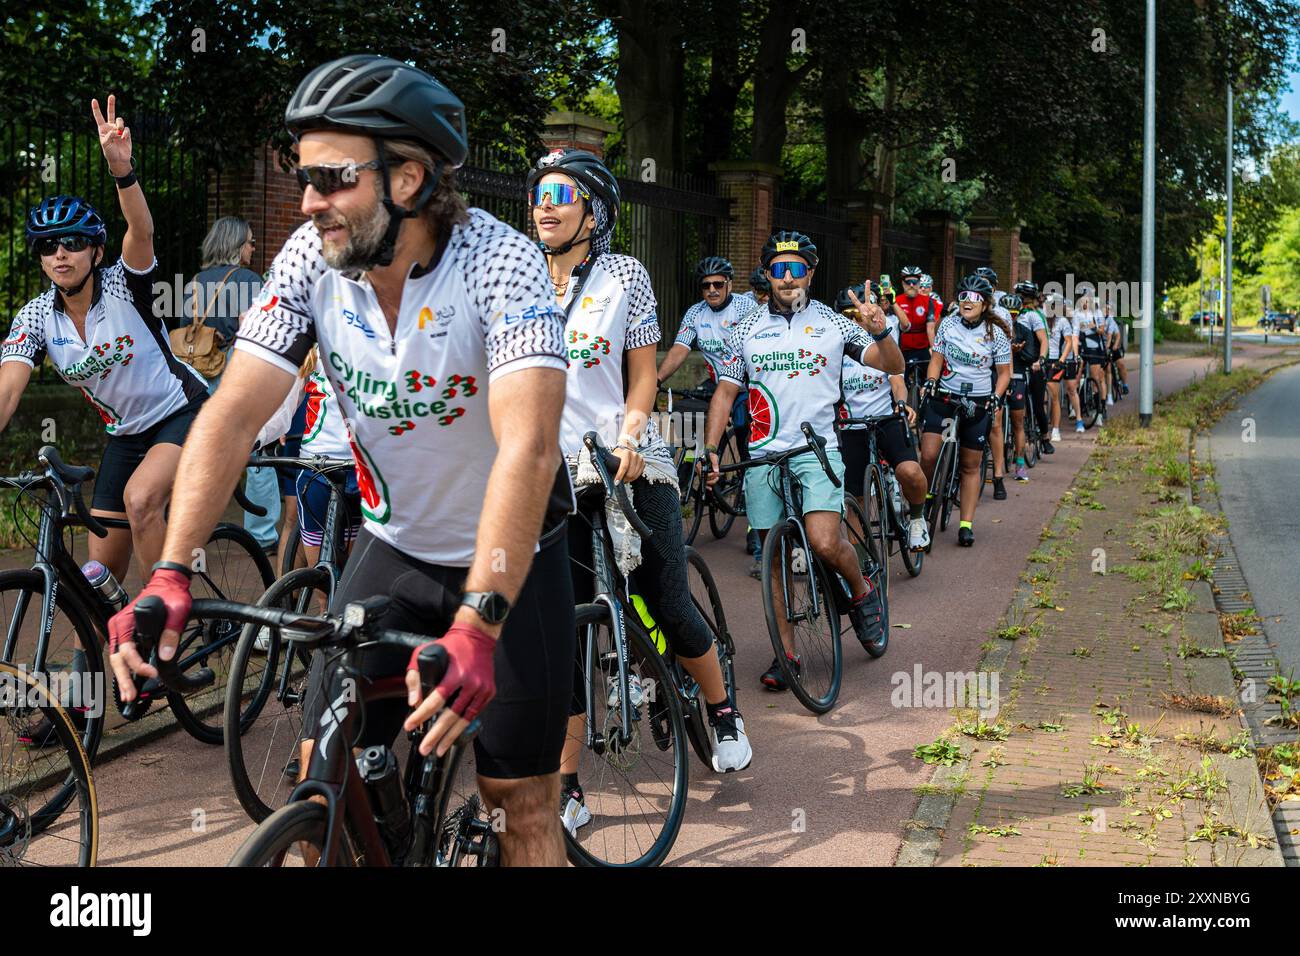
point(713, 285)
point(911, 282)
point(331, 179)
point(48, 246)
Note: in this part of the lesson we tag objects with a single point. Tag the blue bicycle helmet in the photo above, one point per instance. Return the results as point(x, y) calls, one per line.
point(65, 216)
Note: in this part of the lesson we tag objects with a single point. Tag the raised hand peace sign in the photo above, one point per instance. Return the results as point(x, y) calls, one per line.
point(872, 315)
point(114, 137)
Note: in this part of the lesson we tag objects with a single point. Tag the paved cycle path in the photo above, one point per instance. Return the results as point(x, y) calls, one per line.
point(830, 790)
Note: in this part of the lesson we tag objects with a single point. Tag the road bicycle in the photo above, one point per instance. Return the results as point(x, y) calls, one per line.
point(724, 502)
point(945, 483)
point(801, 591)
point(268, 675)
point(363, 810)
point(1091, 405)
point(633, 738)
point(884, 511)
point(914, 375)
point(48, 810)
point(56, 623)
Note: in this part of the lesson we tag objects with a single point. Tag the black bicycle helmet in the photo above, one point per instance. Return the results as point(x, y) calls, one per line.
point(593, 178)
point(65, 216)
point(1027, 289)
point(1011, 302)
point(988, 273)
point(383, 98)
point(380, 97)
point(713, 266)
point(759, 282)
point(789, 241)
point(842, 301)
point(976, 283)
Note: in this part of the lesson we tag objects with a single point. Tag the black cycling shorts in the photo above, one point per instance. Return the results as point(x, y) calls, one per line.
point(972, 433)
point(123, 454)
point(893, 443)
point(524, 724)
point(1016, 394)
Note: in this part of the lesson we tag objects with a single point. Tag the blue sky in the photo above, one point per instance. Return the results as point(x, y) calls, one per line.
point(1291, 99)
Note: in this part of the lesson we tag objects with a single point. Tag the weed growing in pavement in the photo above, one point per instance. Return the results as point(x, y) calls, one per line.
point(1209, 741)
point(1279, 765)
point(1090, 786)
point(1200, 703)
point(942, 751)
point(983, 730)
point(1001, 831)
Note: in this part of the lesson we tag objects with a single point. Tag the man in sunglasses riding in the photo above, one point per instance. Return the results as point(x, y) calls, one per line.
point(97, 325)
point(792, 351)
point(439, 336)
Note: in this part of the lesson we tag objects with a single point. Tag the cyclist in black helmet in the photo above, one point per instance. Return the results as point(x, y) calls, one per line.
point(444, 349)
point(759, 286)
point(96, 324)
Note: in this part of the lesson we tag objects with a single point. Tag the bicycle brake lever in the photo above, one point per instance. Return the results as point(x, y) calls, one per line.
point(150, 620)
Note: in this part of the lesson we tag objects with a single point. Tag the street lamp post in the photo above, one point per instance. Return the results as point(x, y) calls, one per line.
point(1146, 376)
point(1227, 250)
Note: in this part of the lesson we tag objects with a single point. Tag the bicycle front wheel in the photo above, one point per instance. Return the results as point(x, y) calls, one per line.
point(232, 568)
point(634, 772)
point(797, 593)
point(48, 811)
point(264, 698)
point(292, 836)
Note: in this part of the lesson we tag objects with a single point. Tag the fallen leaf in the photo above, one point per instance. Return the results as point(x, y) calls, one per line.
point(904, 626)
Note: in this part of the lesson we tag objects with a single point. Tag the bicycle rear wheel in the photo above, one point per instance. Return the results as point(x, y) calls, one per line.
point(937, 505)
point(693, 506)
point(265, 695)
point(48, 810)
point(793, 573)
point(233, 568)
point(866, 527)
point(634, 775)
point(1089, 401)
point(704, 594)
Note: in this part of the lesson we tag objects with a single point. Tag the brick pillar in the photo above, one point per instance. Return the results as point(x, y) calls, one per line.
point(942, 230)
point(264, 194)
point(568, 130)
point(1026, 263)
point(865, 238)
point(1004, 248)
point(751, 187)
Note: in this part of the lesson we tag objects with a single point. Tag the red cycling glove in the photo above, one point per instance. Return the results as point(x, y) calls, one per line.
point(174, 589)
point(469, 670)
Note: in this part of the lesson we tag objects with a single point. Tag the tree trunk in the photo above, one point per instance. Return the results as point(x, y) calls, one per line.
point(845, 131)
point(774, 82)
point(650, 81)
point(718, 107)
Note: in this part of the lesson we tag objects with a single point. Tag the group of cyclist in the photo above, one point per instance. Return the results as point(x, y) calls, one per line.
point(462, 365)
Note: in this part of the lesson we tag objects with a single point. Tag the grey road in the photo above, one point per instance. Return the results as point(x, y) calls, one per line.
point(1257, 486)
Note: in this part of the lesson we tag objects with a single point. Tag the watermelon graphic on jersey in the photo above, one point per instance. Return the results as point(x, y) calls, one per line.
point(110, 416)
point(764, 419)
point(375, 505)
point(315, 416)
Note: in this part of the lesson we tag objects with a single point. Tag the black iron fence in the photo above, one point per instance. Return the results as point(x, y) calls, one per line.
point(830, 230)
point(902, 247)
point(41, 159)
point(668, 224)
point(969, 256)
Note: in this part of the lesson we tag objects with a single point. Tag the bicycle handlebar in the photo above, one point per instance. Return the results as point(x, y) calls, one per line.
point(150, 618)
point(818, 444)
point(605, 461)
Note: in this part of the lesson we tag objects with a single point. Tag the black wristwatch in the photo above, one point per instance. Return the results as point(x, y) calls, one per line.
point(490, 605)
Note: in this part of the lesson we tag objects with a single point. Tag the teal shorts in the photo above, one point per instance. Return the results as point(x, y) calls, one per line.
point(763, 504)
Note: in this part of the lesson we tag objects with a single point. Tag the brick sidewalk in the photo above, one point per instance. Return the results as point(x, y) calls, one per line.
point(1092, 770)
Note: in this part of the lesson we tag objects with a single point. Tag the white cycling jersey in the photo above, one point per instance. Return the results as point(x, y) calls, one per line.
point(325, 432)
point(793, 364)
point(706, 328)
point(418, 396)
point(1062, 329)
point(969, 356)
point(614, 312)
point(124, 366)
point(866, 389)
point(1089, 326)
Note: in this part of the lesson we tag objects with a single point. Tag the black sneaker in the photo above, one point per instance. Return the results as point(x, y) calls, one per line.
point(291, 769)
point(773, 679)
point(999, 490)
point(751, 543)
point(867, 618)
point(756, 569)
point(40, 733)
point(1047, 448)
point(966, 537)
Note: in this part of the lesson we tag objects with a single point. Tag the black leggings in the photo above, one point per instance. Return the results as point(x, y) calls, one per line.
point(1038, 400)
point(661, 578)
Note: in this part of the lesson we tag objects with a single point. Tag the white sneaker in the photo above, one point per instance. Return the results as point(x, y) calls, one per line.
point(918, 534)
point(1078, 426)
point(1056, 434)
point(575, 814)
point(730, 745)
point(635, 694)
point(1110, 399)
point(1101, 419)
point(262, 643)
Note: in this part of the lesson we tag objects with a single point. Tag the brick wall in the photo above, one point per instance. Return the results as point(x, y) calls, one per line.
point(266, 196)
point(751, 187)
